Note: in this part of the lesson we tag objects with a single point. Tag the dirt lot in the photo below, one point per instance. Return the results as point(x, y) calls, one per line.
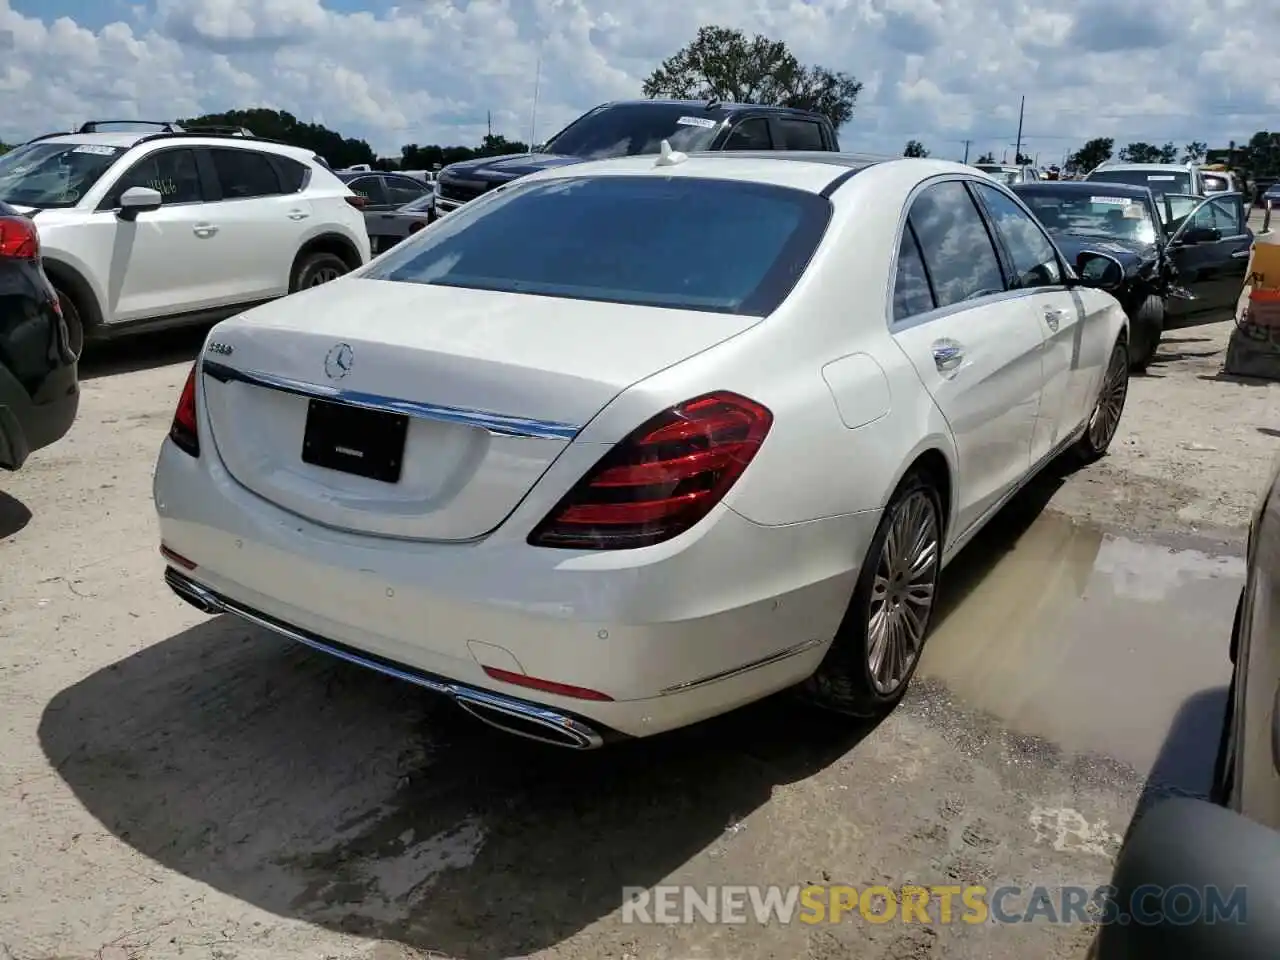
point(175, 785)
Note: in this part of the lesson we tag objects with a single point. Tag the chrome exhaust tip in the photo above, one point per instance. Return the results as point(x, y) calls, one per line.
point(192, 593)
point(527, 720)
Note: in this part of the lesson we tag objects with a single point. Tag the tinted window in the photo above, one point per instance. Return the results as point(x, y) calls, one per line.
point(799, 134)
point(628, 129)
point(293, 175)
point(1218, 215)
point(53, 174)
point(172, 173)
point(911, 293)
point(713, 245)
point(368, 187)
point(401, 190)
point(750, 135)
point(1160, 181)
point(244, 173)
point(1035, 264)
point(955, 244)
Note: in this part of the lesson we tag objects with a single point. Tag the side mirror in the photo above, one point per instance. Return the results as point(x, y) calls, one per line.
point(1194, 235)
point(1099, 270)
point(1193, 880)
point(138, 200)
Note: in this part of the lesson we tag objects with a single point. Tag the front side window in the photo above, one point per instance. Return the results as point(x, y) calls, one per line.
point(632, 129)
point(954, 242)
point(1035, 262)
point(693, 244)
point(171, 173)
point(244, 174)
point(53, 174)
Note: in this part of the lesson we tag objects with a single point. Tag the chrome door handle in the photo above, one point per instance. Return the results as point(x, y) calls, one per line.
point(1053, 318)
point(298, 215)
point(1240, 255)
point(204, 230)
point(947, 355)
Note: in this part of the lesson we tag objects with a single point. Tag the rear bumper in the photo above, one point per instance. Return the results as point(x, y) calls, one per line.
point(28, 423)
point(728, 613)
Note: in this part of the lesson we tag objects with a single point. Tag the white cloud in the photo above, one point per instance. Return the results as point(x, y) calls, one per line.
point(430, 71)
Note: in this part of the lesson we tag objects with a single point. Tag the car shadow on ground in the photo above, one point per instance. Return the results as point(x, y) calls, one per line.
point(14, 515)
point(315, 790)
point(1184, 766)
point(143, 351)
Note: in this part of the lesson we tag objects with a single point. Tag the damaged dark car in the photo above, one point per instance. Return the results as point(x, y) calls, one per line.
point(1184, 256)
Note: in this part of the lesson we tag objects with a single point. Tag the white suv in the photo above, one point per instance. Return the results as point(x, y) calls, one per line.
point(1176, 178)
point(141, 231)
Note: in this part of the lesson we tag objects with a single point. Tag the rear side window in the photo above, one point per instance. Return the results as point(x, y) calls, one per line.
point(911, 293)
point(401, 190)
point(171, 173)
point(695, 244)
point(368, 187)
point(799, 134)
point(244, 173)
point(294, 176)
point(954, 242)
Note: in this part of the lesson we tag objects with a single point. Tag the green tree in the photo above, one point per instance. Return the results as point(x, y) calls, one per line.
point(496, 145)
point(1169, 153)
point(1140, 152)
point(5, 148)
point(1261, 155)
point(338, 150)
point(914, 148)
point(725, 64)
point(987, 157)
point(1094, 152)
point(1195, 151)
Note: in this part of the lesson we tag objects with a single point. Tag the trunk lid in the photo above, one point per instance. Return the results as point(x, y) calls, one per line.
point(494, 386)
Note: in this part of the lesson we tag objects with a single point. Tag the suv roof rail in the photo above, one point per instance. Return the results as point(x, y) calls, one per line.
point(220, 129)
point(209, 133)
point(46, 136)
point(95, 126)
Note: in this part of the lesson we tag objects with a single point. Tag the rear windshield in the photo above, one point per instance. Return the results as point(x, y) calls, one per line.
point(53, 174)
point(629, 129)
point(1160, 181)
point(717, 246)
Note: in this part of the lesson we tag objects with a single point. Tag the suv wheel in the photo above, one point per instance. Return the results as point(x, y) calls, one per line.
point(1146, 327)
point(75, 326)
point(314, 269)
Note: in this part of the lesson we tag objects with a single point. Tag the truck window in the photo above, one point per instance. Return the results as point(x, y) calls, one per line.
point(799, 134)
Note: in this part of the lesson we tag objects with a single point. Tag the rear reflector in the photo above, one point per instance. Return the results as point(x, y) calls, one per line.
point(546, 686)
point(662, 479)
point(177, 558)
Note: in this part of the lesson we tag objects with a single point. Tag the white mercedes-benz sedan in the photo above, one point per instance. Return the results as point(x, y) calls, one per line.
point(630, 443)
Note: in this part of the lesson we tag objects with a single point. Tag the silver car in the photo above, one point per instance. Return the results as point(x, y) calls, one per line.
point(1010, 174)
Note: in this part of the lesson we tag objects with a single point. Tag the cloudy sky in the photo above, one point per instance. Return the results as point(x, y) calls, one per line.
point(429, 71)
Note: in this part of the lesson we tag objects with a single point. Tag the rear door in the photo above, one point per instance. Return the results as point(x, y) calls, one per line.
point(1210, 252)
point(973, 342)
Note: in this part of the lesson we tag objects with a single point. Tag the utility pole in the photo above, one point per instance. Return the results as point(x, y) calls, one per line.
point(1018, 146)
point(966, 150)
point(491, 123)
point(533, 118)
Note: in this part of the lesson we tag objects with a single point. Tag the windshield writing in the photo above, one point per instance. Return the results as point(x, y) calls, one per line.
point(53, 174)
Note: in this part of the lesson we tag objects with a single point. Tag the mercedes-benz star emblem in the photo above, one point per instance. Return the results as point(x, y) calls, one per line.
point(337, 362)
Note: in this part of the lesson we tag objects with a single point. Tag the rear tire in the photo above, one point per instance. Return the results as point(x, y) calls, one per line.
point(877, 648)
point(314, 269)
point(1146, 328)
point(1105, 419)
point(74, 323)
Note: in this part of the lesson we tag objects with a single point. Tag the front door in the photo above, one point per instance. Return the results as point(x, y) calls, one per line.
point(972, 343)
point(1209, 250)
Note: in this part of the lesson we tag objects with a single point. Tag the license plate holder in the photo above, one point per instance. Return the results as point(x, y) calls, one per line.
point(364, 443)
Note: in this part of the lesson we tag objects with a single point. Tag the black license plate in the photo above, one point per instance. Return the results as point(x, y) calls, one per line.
point(366, 443)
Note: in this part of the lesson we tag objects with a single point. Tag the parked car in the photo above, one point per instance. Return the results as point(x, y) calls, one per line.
point(392, 226)
point(1010, 174)
point(383, 194)
point(141, 231)
point(1161, 178)
point(1184, 257)
point(654, 465)
point(636, 127)
point(1271, 195)
point(39, 392)
point(1219, 181)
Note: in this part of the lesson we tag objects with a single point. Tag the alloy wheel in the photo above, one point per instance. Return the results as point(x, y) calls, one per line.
point(1106, 415)
point(324, 275)
point(902, 592)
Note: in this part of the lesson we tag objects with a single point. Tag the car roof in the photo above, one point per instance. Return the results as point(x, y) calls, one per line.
point(726, 106)
point(812, 171)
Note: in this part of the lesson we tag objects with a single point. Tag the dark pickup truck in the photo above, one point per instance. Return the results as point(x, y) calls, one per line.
point(638, 127)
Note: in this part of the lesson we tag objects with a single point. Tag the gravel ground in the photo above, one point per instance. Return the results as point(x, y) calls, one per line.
point(179, 786)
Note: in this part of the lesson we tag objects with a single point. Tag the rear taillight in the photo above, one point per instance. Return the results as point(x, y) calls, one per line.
point(184, 433)
point(18, 238)
point(357, 201)
point(662, 479)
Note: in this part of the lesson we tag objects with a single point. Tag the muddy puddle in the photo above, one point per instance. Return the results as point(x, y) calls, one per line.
point(1093, 641)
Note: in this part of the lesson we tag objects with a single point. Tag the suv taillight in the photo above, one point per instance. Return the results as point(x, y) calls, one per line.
point(18, 238)
point(184, 433)
point(662, 479)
